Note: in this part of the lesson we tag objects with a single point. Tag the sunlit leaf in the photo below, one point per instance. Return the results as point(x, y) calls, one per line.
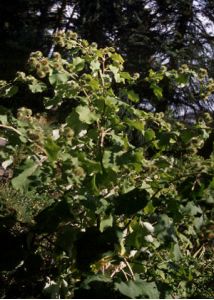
point(95, 65)
point(52, 149)
point(37, 86)
point(86, 115)
point(21, 181)
point(57, 78)
point(79, 64)
point(106, 222)
point(157, 90)
point(133, 96)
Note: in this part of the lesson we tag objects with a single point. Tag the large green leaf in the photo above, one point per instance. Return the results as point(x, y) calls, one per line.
point(157, 90)
point(52, 149)
point(95, 65)
point(137, 124)
point(131, 202)
point(21, 181)
point(75, 123)
point(106, 222)
point(109, 161)
point(37, 86)
point(57, 78)
point(133, 96)
point(115, 71)
point(8, 90)
point(3, 119)
point(94, 278)
point(138, 289)
point(79, 64)
point(86, 115)
point(165, 229)
point(149, 134)
point(49, 218)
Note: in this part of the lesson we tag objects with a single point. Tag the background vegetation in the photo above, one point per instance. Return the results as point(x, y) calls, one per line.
point(106, 177)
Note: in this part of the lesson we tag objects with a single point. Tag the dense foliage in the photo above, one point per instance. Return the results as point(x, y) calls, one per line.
point(98, 197)
point(148, 33)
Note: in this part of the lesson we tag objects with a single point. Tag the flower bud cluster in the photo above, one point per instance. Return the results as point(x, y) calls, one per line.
point(24, 114)
point(208, 89)
point(210, 86)
point(59, 38)
point(65, 39)
point(184, 69)
point(79, 172)
point(202, 73)
point(37, 135)
point(57, 61)
point(39, 63)
point(68, 133)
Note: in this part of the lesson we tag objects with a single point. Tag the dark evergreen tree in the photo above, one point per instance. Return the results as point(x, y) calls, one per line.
point(152, 33)
point(24, 26)
point(147, 33)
